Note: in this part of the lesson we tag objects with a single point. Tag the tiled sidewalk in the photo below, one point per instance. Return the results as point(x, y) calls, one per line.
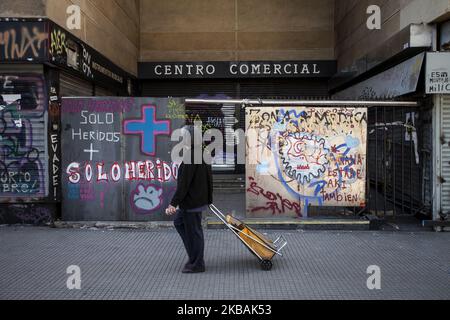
point(125, 264)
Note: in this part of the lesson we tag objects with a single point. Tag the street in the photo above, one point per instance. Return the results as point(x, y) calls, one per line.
point(147, 264)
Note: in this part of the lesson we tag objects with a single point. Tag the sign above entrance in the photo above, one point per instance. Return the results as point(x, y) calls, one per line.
point(395, 82)
point(438, 73)
point(230, 69)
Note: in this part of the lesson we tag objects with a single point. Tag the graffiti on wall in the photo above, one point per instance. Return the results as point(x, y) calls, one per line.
point(222, 118)
point(54, 107)
point(301, 157)
point(23, 148)
point(22, 41)
point(148, 128)
point(86, 63)
point(57, 42)
point(116, 157)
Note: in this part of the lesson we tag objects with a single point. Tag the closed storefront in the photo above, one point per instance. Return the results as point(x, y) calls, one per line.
point(24, 166)
point(50, 64)
point(231, 80)
point(438, 85)
point(443, 160)
point(72, 86)
point(104, 92)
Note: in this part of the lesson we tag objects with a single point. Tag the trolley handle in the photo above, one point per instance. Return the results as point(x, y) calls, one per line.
point(217, 212)
point(280, 243)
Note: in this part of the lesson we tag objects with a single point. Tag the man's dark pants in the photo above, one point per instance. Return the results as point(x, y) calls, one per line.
point(189, 226)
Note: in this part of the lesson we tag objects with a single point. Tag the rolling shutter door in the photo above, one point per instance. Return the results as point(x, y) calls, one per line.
point(23, 138)
point(189, 88)
point(445, 154)
point(284, 89)
point(13, 68)
point(103, 92)
point(71, 86)
point(242, 88)
point(221, 117)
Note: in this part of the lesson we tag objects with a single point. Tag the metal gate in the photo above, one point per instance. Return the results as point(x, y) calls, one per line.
point(399, 156)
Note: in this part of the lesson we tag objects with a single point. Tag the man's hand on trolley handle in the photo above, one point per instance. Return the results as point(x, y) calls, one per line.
point(171, 210)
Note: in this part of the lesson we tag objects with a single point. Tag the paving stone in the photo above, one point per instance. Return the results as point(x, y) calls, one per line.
point(147, 264)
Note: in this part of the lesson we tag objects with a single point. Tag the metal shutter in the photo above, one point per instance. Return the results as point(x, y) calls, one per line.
point(242, 88)
point(223, 118)
point(284, 89)
point(189, 88)
point(23, 138)
point(71, 86)
point(104, 92)
point(13, 68)
point(445, 154)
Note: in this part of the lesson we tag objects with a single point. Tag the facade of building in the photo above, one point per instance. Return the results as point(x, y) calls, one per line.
point(235, 49)
point(40, 62)
point(407, 157)
point(277, 49)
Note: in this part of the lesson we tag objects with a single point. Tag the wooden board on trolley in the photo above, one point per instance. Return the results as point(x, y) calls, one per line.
point(247, 232)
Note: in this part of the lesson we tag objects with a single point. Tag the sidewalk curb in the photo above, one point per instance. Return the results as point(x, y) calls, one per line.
point(113, 225)
point(325, 224)
point(316, 224)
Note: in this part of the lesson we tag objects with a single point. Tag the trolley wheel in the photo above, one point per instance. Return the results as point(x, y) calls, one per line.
point(266, 265)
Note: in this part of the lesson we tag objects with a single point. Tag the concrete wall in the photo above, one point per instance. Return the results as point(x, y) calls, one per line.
point(109, 26)
point(352, 38)
point(22, 8)
point(197, 30)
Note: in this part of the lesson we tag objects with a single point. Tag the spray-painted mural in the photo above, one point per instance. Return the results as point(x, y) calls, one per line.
point(23, 137)
point(24, 40)
point(301, 157)
point(24, 176)
point(116, 157)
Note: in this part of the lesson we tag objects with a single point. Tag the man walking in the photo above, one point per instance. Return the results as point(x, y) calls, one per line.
point(192, 197)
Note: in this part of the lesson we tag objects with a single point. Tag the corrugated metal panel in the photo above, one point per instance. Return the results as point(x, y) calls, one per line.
point(71, 86)
point(445, 153)
point(189, 89)
point(23, 139)
point(283, 89)
point(242, 88)
point(104, 92)
point(14, 68)
point(221, 117)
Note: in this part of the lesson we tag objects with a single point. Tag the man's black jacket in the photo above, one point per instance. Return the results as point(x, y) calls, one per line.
point(194, 186)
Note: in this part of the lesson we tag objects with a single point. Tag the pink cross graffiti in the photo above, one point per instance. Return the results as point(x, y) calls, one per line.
point(148, 127)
